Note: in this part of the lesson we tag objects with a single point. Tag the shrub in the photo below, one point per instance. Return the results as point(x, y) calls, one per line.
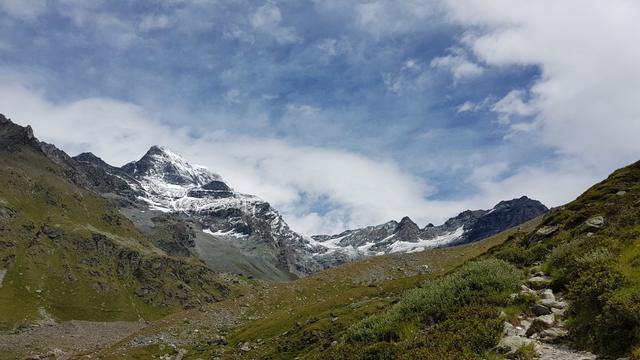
point(482, 282)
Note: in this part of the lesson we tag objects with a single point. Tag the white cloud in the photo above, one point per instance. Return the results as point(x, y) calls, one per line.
point(268, 19)
point(458, 63)
point(585, 103)
point(513, 104)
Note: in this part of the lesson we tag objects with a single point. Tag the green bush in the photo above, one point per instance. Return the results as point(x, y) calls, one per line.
point(482, 282)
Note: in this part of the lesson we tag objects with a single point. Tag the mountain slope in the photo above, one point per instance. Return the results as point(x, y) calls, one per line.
point(66, 253)
point(170, 199)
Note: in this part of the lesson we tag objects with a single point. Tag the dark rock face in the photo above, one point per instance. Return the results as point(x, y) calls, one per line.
point(12, 135)
point(407, 230)
point(504, 215)
point(175, 237)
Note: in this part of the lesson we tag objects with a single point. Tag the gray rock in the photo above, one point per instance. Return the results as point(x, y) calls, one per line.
point(217, 340)
point(7, 213)
point(540, 310)
point(509, 329)
point(524, 289)
point(547, 230)
point(539, 282)
point(558, 312)
point(541, 323)
point(553, 334)
point(511, 344)
point(547, 294)
point(595, 222)
point(621, 193)
point(553, 303)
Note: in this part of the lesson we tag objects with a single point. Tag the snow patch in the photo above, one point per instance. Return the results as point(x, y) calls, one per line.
point(225, 233)
point(423, 244)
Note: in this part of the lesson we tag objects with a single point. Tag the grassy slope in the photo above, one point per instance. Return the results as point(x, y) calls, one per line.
point(596, 265)
point(70, 255)
point(303, 317)
point(599, 267)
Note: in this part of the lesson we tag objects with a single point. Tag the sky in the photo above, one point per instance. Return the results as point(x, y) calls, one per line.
point(340, 113)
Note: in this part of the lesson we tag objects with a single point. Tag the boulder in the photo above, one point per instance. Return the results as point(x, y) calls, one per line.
point(217, 340)
point(540, 310)
point(553, 303)
point(541, 323)
point(7, 213)
point(509, 329)
point(547, 230)
point(558, 312)
point(539, 282)
point(547, 294)
point(524, 289)
point(553, 334)
point(595, 222)
point(511, 344)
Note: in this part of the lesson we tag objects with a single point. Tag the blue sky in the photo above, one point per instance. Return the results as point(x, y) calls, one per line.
point(341, 113)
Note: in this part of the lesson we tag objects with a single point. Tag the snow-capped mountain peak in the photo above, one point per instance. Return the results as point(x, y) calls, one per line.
point(169, 167)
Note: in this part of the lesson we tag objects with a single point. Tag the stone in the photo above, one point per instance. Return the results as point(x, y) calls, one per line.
point(553, 303)
point(217, 340)
point(547, 294)
point(509, 329)
point(541, 323)
point(595, 222)
point(511, 344)
point(539, 282)
point(547, 230)
point(558, 312)
point(553, 333)
point(621, 193)
point(524, 289)
point(7, 213)
point(540, 310)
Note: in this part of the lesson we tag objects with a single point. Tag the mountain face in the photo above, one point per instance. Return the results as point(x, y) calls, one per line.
point(406, 236)
point(192, 211)
point(68, 253)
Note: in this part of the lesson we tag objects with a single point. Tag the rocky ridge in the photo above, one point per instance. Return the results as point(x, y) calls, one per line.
point(405, 236)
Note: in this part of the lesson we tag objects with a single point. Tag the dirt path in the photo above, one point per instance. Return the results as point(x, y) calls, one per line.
point(558, 352)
